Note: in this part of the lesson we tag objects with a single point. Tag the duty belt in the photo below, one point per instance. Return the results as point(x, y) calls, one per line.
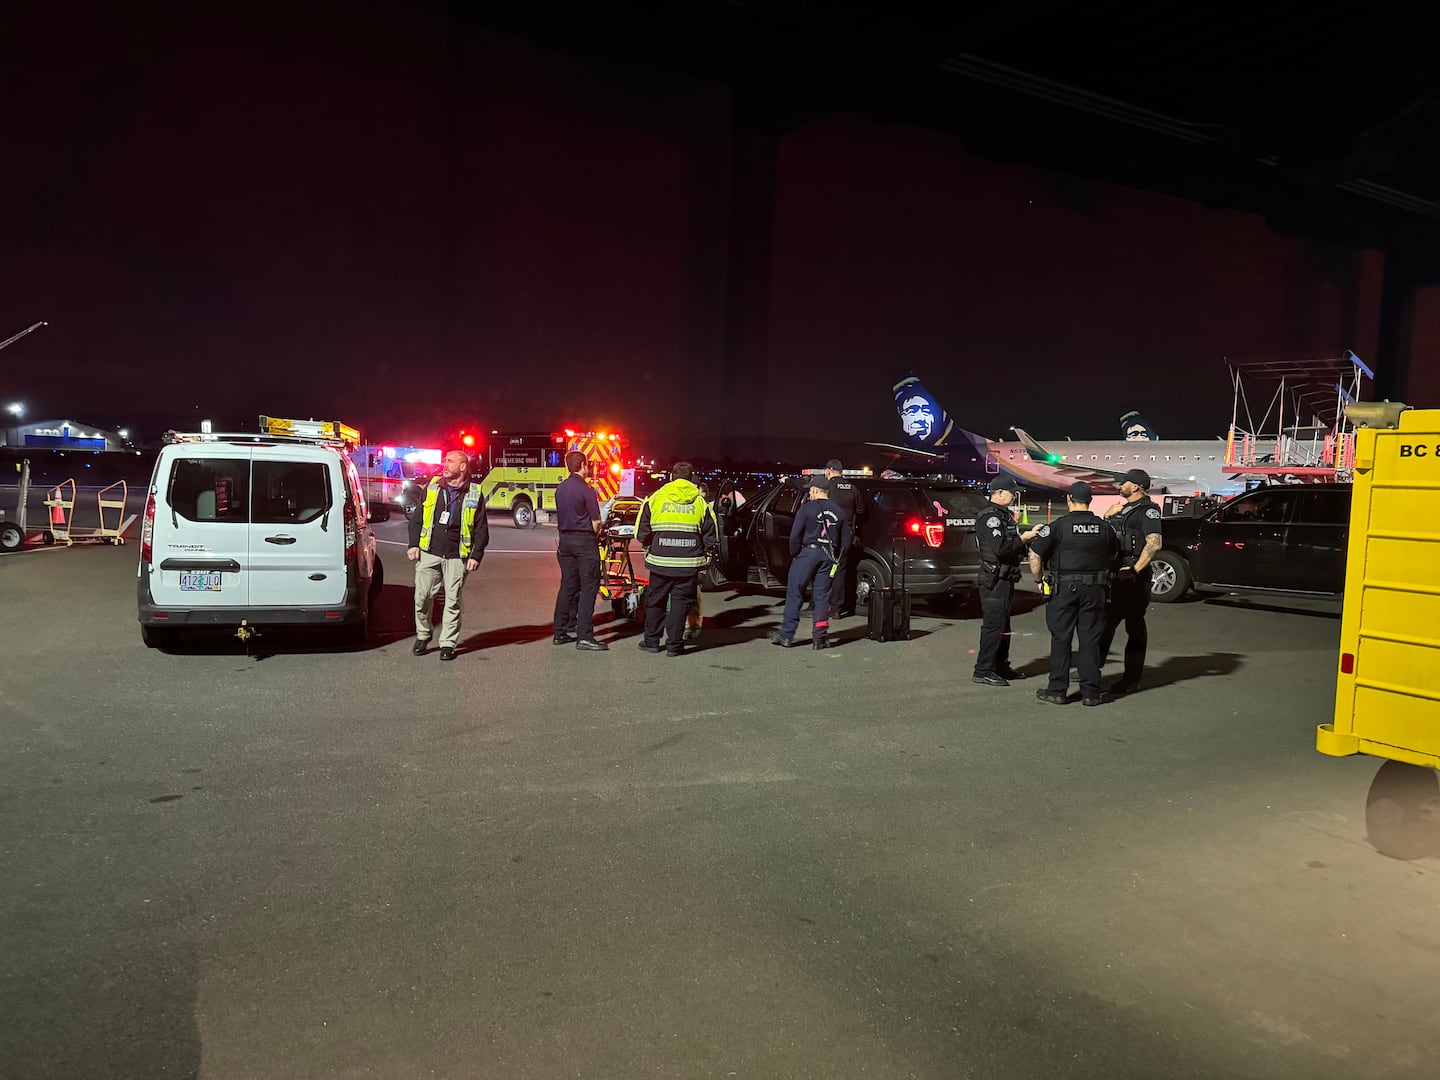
point(1081, 577)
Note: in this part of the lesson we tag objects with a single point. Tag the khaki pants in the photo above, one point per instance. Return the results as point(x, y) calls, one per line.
point(431, 572)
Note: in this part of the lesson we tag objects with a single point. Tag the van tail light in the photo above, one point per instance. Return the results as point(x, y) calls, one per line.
point(147, 531)
point(352, 533)
point(933, 532)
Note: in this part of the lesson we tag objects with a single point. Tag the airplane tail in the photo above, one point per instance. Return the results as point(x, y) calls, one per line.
point(925, 423)
point(1135, 428)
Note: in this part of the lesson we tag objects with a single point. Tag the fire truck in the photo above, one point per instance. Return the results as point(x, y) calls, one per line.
point(524, 470)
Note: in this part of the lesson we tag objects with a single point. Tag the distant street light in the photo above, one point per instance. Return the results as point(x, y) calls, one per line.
point(124, 433)
point(15, 408)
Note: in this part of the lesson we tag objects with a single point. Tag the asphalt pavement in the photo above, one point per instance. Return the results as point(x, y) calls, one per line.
point(301, 861)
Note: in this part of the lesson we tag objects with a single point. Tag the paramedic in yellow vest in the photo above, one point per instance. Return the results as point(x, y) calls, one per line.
point(448, 537)
point(677, 529)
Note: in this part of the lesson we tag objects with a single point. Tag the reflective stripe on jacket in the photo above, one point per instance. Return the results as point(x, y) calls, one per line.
point(677, 526)
point(471, 507)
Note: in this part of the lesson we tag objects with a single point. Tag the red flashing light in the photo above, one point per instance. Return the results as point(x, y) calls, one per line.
point(467, 440)
point(615, 467)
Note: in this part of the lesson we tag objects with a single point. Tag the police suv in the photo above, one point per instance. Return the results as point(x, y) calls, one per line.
point(929, 523)
point(245, 530)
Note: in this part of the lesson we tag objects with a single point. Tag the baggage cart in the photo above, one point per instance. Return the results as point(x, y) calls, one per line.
point(13, 530)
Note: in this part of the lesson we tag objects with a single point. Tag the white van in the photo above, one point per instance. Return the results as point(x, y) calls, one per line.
point(255, 528)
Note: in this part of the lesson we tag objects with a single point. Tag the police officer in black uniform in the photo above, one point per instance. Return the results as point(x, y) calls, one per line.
point(1002, 550)
point(1137, 523)
point(1079, 550)
point(844, 495)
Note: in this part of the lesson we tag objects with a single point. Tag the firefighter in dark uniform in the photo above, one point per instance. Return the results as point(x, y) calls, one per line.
point(1075, 554)
point(846, 496)
point(819, 539)
point(1002, 550)
point(1136, 522)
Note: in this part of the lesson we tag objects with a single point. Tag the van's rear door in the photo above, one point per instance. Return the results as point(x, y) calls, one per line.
point(201, 542)
point(297, 527)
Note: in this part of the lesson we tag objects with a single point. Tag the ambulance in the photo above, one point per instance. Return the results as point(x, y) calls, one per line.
point(244, 530)
point(388, 471)
point(525, 469)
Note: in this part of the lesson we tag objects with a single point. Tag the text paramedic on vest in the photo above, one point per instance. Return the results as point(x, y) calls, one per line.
point(1078, 550)
point(1136, 522)
point(678, 531)
point(448, 537)
point(819, 541)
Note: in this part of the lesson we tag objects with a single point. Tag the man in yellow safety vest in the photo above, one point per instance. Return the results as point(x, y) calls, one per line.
point(448, 537)
point(678, 531)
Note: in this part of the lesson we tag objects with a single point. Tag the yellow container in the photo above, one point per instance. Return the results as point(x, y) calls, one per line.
point(1387, 691)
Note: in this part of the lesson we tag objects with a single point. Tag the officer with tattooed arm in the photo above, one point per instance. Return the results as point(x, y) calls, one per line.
point(1136, 522)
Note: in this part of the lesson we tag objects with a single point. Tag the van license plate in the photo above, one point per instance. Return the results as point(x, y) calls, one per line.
point(199, 580)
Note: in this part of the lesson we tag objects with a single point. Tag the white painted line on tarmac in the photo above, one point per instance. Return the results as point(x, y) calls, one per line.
point(488, 550)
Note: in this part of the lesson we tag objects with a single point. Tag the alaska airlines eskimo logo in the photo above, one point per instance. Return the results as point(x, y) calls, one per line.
point(917, 417)
point(921, 417)
point(1133, 428)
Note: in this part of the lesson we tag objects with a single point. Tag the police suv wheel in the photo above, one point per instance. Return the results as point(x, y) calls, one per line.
point(523, 514)
point(10, 537)
point(1169, 577)
point(1402, 811)
point(869, 576)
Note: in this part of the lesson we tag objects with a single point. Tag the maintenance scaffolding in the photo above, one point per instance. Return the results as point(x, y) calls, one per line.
point(1292, 449)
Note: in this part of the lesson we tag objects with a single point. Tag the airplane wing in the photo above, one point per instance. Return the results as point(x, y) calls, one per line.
point(1091, 474)
point(907, 451)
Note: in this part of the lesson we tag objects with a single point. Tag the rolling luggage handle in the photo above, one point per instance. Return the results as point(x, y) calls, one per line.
point(900, 556)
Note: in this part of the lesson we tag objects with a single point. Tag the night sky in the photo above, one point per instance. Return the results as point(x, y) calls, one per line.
point(412, 227)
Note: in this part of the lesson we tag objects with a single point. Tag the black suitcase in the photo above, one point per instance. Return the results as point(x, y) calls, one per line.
point(889, 608)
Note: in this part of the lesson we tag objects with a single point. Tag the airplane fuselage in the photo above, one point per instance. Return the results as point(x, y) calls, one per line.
point(1183, 467)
